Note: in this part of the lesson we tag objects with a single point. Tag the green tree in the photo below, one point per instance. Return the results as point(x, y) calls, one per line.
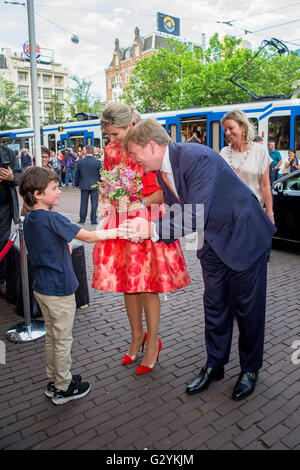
point(184, 76)
point(12, 107)
point(56, 112)
point(82, 99)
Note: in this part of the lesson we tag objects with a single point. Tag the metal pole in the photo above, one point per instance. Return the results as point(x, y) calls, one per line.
point(24, 277)
point(34, 83)
point(29, 330)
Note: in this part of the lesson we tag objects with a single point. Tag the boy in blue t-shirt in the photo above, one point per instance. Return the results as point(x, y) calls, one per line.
point(47, 235)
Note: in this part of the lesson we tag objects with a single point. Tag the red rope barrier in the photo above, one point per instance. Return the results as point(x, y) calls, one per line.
point(8, 246)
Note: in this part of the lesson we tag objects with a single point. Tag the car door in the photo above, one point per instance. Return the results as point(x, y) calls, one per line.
point(286, 201)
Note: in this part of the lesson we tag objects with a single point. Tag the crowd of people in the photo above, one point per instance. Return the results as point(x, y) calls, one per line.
point(132, 255)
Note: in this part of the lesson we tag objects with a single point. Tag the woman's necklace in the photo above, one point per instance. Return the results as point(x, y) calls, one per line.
point(241, 163)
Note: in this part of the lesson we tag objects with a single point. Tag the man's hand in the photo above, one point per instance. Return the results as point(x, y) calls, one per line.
point(6, 174)
point(136, 229)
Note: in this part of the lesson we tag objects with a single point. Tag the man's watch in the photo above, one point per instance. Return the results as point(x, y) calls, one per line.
point(143, 203)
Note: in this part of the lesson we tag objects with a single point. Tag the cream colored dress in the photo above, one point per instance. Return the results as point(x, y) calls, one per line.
point(249, 166)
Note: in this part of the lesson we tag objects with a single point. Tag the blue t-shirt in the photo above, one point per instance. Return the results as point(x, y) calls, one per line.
point(47, 235)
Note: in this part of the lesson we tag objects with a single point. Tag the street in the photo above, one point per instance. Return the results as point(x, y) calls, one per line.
point(124, 411)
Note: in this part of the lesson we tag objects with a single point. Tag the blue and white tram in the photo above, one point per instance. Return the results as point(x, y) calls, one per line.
point(17, 139)
point(278, 120)
point(273, 120)
point(72, 135)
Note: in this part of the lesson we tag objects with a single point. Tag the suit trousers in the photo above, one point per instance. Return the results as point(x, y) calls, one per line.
point(84, 199)
point(58, 313)
point(230, 294)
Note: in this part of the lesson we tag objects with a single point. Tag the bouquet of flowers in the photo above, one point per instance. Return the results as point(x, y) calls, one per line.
point(120, 183)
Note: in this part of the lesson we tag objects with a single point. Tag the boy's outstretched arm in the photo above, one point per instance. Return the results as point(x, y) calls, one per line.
point(96, 235)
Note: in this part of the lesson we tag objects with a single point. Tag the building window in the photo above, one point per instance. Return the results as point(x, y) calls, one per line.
point(22, 76)
point(47, 108)
point(118, 81)
point(59, 94)
point(58, 81)
point(47, 79)
point(109, 84)
point(137, 51)
point(127, 76)
point(47, 93)
point(23, 91)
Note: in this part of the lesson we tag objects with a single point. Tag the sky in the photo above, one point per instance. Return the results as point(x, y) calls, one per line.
point(99, 22)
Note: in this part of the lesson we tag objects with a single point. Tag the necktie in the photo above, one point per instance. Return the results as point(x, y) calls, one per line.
point(165, 178)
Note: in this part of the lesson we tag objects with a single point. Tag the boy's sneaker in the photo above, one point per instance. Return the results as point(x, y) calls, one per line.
point(49, 391)
point(75, 390)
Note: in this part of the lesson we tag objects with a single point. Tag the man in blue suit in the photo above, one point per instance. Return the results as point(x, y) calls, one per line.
point(233, 255)
point(87, 175)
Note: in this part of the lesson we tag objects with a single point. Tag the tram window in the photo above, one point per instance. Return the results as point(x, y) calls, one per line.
point(172, 131)
point(279, 131)
point(297, 136)
point(64, 144)
point(191, 125)
point(215, 136)
point(254, 122)
point(97, 142)
point(51, 142)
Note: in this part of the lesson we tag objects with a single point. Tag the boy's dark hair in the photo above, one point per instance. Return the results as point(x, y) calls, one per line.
point(45, 150)
point(35, 178)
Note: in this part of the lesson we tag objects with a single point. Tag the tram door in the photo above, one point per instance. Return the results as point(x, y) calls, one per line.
point(76, 140)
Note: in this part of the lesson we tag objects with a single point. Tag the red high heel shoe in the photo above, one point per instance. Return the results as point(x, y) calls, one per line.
point(144, 369)
point(130, 359)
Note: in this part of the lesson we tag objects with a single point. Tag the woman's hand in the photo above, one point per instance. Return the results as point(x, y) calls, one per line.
point(270, 214)
point(104, 207)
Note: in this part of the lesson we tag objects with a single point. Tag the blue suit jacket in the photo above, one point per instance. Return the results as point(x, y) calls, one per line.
point(87, 172)
point(235, 225)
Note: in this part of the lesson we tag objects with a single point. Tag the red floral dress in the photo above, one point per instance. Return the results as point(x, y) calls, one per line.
point(123, 266)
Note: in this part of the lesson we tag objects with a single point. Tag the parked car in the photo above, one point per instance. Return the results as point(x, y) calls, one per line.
point(286, 202)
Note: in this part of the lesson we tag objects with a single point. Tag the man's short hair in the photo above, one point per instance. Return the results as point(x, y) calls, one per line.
point(35, 178)
point(89, 149)
point(145, 131)
point(258, 138)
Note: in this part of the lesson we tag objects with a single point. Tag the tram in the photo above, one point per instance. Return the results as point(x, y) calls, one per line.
point(277, 120)
point(56, 136)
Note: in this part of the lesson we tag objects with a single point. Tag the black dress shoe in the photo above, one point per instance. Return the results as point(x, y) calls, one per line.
point(245, 385)
point(81, 222)
point(206, 376)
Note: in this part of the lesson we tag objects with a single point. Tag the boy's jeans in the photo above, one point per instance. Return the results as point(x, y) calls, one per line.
point(58, 313)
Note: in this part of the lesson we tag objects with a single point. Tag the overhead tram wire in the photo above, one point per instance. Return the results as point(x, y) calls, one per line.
point(72, 33)
point(266, 11)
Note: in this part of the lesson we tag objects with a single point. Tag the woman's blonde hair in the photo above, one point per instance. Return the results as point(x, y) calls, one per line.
point(119, 115)
point(240, 117)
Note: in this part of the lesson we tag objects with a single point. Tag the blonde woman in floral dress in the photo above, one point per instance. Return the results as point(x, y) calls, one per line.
point(141, 270)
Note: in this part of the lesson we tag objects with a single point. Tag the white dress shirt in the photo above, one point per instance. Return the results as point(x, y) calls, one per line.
point(167, 168)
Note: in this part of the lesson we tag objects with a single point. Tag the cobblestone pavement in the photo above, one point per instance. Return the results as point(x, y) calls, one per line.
point(125, 411)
